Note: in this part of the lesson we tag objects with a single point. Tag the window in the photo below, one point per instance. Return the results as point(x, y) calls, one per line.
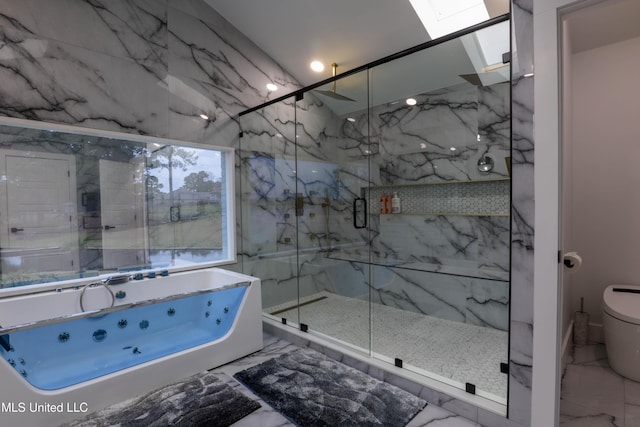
point(80, 203)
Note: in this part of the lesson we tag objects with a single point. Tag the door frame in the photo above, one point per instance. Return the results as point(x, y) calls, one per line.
point(548, 17)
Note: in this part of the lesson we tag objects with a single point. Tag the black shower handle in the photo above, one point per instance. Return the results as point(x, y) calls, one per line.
point(355, 212)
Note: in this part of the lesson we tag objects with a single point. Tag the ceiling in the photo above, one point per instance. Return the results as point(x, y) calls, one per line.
point(605, 23)
point(350, 33)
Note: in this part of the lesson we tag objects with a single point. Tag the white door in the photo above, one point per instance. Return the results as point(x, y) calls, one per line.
point(41, 210)
point(122, 196)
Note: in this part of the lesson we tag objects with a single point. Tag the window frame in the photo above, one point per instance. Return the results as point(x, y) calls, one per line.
point(228, 202)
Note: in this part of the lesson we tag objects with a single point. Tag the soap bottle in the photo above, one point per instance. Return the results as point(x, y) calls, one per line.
point(383, 204)
point(395, 203)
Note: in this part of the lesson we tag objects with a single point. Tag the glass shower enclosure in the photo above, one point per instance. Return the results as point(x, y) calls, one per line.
point(375, 209)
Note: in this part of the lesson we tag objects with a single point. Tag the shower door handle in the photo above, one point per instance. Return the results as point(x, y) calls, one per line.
point(16, 229)
point(359, 212)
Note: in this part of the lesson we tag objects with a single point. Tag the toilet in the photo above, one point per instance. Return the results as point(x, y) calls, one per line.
point(621, 321)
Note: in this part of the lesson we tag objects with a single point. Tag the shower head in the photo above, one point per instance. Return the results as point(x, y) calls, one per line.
point(487, 76)
point(332, 93)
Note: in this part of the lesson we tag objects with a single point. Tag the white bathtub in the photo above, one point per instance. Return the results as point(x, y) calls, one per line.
point(59, 363)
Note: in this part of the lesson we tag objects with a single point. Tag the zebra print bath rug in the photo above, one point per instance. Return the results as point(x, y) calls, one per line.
point(313, 390)
point(205, 399)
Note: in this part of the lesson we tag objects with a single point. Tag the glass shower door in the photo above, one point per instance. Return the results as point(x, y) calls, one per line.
point(332, 218)
point(424, 286)
point(440, 287)
point(268, 196)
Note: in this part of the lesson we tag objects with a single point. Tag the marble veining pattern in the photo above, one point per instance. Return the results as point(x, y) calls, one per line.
point(211, 74)
point(443, 136)
point(134, 29)
point(137, 66)
point(522, 211)
point(462, 299)
point(476, 244)
point(56, 82)
point(593, 395)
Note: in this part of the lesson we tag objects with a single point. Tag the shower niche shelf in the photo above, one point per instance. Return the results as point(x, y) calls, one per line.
point(488, 197)
point(424, 214)
point(423, 184)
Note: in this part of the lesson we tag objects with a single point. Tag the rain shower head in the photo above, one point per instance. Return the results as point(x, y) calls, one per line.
point(332, 93)
point(487, 73)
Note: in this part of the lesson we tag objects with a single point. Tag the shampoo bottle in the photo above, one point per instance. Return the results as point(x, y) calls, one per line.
point(383, 204)
point(395, 203)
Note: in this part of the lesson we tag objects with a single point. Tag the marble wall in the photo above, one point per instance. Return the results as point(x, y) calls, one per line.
point(152, 66)
point(444, 135)
point(139, 66)
point(522, 213)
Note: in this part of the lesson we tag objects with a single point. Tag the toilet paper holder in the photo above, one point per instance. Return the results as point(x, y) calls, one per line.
point(572, 261)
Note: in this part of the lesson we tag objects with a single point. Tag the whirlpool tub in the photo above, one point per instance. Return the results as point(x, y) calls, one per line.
point(80, 348)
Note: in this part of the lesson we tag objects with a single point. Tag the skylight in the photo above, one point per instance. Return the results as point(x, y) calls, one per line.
point(442, 17)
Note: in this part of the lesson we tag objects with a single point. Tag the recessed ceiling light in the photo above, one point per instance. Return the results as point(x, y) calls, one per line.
point(411, 101)
point(351, 119)
point(271, 87)
point(317, 66)
point(452, 148)
point(204, 117)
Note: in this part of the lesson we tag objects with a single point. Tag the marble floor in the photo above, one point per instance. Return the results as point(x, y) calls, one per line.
point(431, 416)
point(439, 348)
point(593, 395)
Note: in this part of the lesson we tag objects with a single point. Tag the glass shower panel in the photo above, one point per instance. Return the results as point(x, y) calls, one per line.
point(268, 205)
point(440, 277)
point(332, 164)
